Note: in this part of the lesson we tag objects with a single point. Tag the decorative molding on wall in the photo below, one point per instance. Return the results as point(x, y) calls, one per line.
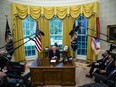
point(52, 2)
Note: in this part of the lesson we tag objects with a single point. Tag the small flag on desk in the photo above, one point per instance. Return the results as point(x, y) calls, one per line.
point(38, 39)
point(96, 45)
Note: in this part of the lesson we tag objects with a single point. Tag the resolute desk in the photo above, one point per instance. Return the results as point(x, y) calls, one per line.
point(53, 74)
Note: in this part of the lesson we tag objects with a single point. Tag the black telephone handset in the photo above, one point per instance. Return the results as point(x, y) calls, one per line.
point(65, 59)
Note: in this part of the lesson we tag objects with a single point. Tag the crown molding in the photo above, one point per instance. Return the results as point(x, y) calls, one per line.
point(52, 2)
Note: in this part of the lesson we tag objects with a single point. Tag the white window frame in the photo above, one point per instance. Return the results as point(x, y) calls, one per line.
point(54, 35)
point(83, 57)
point(32, 56)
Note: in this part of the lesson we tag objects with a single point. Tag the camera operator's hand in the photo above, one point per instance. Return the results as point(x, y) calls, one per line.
point(2, 74)
point(96, 63)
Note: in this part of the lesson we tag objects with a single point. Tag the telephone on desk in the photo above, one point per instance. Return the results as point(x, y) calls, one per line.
point(67, 59)
point(65, 48)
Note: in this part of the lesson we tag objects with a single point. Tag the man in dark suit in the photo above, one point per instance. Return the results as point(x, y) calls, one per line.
point(108, 74)
point(101, 63)
point(112, 75)
point(54, 53)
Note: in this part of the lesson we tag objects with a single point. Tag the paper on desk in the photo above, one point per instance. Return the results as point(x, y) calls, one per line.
point(53, 61)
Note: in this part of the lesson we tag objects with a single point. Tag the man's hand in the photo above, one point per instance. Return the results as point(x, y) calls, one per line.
point(96, 63)
point(54, 57)
point(2, 74)
point(102, 71)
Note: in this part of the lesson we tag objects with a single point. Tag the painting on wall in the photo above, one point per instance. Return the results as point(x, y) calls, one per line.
point(111, 31)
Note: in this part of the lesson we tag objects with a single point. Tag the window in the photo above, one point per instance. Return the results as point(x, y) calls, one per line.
point(29, 27)
point(82, 35)
point(56, 32)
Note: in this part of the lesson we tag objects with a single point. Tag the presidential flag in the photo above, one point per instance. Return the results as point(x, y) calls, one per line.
point(8, 39)
point(96, 45)
point(38, 39)
point(73, 34)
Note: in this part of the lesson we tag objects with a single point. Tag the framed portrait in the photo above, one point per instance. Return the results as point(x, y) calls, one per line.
point(111, 31)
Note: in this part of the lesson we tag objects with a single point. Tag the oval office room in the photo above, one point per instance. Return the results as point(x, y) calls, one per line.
point(57, 43)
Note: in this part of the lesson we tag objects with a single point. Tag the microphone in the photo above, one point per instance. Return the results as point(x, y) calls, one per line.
point(74, 30)
point(42, 33)
point(31, 39)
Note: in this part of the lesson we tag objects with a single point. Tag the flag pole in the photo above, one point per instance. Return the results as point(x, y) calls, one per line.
point(6, 16)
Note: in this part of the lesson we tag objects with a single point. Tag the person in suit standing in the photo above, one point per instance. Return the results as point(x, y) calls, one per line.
point(101, 63)
point(54, 53)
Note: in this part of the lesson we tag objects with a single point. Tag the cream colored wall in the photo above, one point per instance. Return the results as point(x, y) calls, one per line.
point(107, 13)
point(5, 9)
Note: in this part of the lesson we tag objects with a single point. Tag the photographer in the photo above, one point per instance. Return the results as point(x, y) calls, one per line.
point(11, 73)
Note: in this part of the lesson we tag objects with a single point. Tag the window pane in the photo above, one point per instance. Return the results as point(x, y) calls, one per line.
point(56, 31)
point(29, 27)
point(82, 35)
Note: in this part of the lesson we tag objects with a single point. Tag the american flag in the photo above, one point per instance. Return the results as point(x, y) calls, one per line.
point(96, 45)
point(38, 39)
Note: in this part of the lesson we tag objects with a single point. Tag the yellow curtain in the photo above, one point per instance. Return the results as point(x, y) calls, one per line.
point(67, 27)
point(42, 14)
point(43, 24)
point(48, 12)
point(75, 11)
point(35, 12)
point(90, 53)
point(61, 12)
point(22, 10)
point(18, 34)
point(89, 9)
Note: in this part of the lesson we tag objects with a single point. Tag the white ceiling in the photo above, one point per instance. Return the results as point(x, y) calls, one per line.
point(52, 2)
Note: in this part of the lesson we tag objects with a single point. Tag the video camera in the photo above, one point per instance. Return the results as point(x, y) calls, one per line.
point(15, 69)
point(14, 72)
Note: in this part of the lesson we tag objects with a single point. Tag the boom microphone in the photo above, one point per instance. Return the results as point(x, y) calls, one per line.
point(42, 33)
point(74, 30)
point(32, 39)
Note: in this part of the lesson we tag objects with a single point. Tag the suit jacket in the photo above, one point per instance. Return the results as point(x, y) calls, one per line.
point(110, 66)
point(112, 75)
point(51, 54)
point(103, 62)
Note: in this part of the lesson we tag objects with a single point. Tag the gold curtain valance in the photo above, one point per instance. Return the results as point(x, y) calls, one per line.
point(61, 12)
point(49, 12)
point(75, 11)
point(89, 9)
point(22, 10)
point(35, 12)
